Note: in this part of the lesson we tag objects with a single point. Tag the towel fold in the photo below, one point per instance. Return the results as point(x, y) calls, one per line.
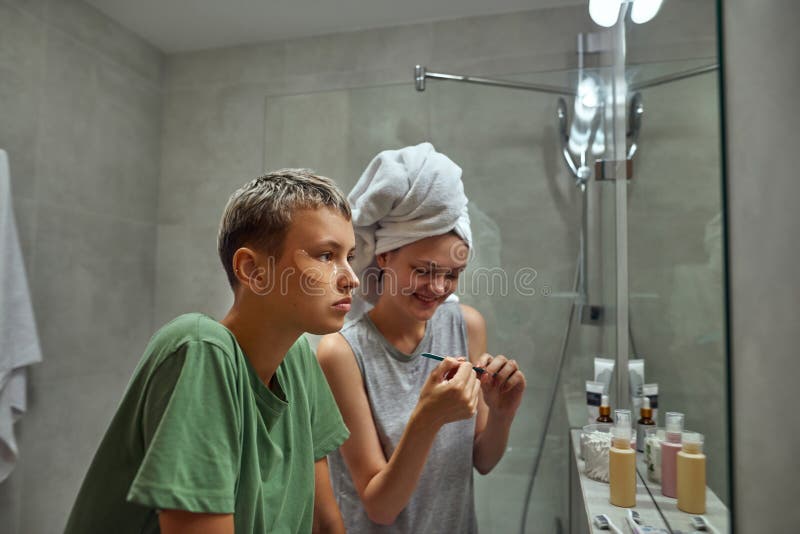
point(403, 196)
point(19, 343)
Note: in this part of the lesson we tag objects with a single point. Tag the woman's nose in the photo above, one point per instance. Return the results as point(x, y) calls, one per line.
point(438, 285)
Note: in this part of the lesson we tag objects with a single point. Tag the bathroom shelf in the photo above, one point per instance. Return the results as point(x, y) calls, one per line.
point(589, 498)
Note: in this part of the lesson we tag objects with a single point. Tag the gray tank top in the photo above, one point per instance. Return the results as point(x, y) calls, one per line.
point(443, 500)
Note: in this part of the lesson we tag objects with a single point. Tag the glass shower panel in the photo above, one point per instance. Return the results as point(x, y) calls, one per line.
point(531, 213)
point(677, 298)
point(524, 210)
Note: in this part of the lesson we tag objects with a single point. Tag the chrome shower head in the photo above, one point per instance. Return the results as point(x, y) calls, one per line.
point(635, 113)
point(563, 136)
point(561, 113)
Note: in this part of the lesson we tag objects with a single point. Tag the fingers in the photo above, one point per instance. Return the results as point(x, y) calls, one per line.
point(505, 372)
point(514, 381)
point(470, 385)
point(445, 370)
point(453, 369)
point(445, 365)
point(467, 381)
point(464, 373)
point(476, 389)
point(452, 390)
point(484, 360)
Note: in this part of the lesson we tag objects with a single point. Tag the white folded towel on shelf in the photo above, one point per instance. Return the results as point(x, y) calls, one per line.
point(19, 343)
point(403, 196)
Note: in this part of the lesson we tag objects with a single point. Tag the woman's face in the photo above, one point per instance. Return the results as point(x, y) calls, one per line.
point(420, 276)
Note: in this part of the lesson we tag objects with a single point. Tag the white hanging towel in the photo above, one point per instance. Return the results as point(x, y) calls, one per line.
point(19, 343)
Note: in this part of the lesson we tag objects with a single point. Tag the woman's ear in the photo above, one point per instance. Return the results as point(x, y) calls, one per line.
point(382, 258)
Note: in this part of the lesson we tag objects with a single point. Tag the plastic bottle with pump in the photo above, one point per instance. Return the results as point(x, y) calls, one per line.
point(622, 462)
point(605, 411)
point(692, 474)
point(669, 453)
point(645, 421)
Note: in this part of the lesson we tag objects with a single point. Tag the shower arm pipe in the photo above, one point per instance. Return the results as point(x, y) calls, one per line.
point(421, 73)
point(661, 80)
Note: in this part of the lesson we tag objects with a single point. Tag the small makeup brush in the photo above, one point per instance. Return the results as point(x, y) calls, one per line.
point(479, 370)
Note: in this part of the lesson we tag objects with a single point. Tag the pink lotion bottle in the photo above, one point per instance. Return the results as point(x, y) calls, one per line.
point(670, 448)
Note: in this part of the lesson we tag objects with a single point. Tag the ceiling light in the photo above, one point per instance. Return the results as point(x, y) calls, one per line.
point(642, 10)
point(605, 12)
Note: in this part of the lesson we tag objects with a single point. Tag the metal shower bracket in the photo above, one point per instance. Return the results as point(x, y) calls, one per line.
point(581, 170)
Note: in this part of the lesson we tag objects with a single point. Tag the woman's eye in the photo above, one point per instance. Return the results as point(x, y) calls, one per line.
point(420, 271)
point(327, 256)
point(351, 258)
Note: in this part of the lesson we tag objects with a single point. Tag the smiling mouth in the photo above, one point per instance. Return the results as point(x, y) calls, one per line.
point(424, 298)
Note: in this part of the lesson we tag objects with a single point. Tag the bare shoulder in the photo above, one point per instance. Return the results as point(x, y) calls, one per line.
point(333, 349)
point(473, 319)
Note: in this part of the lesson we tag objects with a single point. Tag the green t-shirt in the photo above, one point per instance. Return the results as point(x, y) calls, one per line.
point(197, 430)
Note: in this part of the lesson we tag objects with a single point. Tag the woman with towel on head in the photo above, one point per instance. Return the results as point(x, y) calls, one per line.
point(418, 426)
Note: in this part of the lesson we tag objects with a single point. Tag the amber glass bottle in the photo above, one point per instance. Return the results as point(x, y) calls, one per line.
point(646, 420)
point(605, 411)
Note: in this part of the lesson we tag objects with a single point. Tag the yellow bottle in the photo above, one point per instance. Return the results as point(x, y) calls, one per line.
point(622, 462)
point(692, 474)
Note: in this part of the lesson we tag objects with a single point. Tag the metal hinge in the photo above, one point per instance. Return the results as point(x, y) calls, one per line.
point(604, 169)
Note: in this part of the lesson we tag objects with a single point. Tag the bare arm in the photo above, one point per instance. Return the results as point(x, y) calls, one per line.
point(503, 391)
point(182, 522)
point(385, 486)
point(327, 517)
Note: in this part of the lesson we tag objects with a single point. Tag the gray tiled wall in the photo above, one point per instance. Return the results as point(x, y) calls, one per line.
point(80, 119)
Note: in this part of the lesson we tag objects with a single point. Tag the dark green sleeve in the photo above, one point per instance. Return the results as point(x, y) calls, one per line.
point(327, 427)
point(191, 426)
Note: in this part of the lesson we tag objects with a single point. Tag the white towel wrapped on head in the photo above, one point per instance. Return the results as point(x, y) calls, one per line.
point(403, 196)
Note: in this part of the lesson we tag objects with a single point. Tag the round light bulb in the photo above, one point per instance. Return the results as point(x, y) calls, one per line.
point(604, 12)
point(643, 10)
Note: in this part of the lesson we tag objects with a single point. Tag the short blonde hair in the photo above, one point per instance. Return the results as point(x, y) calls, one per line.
point(260, 211)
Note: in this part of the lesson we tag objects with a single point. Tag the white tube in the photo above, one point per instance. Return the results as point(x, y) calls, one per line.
point(635, 383)
point(594, 394)
point(603, 372)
